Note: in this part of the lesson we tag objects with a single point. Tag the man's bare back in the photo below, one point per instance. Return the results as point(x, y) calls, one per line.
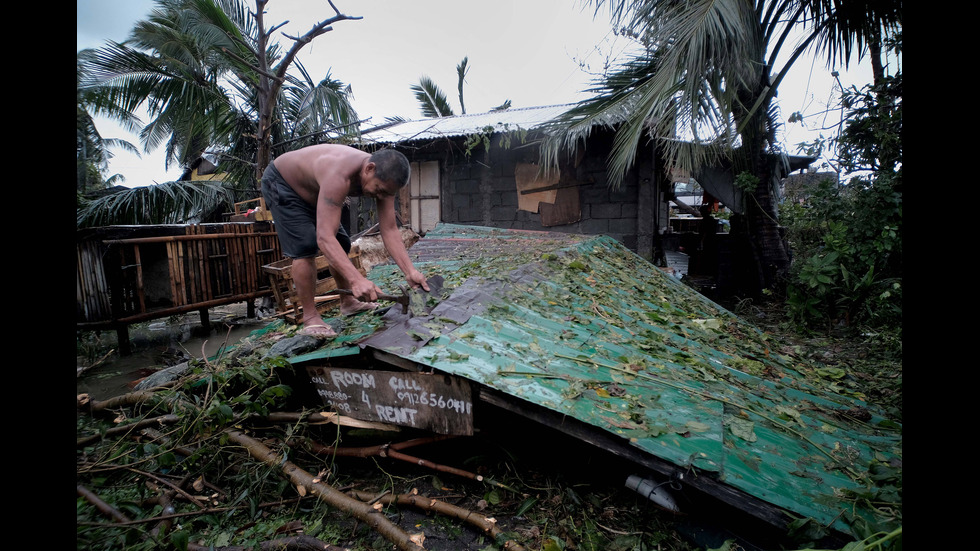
point(329, 164)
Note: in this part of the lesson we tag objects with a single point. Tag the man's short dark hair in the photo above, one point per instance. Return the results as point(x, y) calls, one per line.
point(391, 167)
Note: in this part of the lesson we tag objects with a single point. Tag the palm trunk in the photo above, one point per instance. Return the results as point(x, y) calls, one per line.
point(769, 257)
point(770, 250)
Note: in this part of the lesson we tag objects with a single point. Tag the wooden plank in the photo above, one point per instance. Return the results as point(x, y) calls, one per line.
point(205, 252)
point(435, 402)
point(190, 265)
point(204, 286)
point(252, 259)
point(324, 286)
point(164, 312)
point(225, 272)
point(235, 248)
point(164, 239)
point(567, 208)
point(182, 271)
point(140, 292)
point(174, 277)
point(533, 190)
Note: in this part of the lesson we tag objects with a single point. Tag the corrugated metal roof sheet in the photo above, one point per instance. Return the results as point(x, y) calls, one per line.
point(526, 118)
point(584, 327)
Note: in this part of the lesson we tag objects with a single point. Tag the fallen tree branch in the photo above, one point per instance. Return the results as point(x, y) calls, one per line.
point(102, 506)
point(110, 511)
point(322, 417)
point(374, 451)
point(123, 429)
point(165, 501)
point(326, 493)
point(130, 399)
point(485, 524)
point(174, 487)
point(393, 451)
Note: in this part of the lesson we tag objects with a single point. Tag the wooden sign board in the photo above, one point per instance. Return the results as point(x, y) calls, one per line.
point(438, 403)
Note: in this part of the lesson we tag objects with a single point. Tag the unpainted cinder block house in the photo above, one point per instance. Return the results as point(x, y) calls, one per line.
point(482, 169)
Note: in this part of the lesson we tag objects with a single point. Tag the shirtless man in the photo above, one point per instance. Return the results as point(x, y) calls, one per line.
point(306, 189)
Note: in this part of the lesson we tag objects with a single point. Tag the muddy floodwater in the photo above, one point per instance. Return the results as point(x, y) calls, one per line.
point(155, 345)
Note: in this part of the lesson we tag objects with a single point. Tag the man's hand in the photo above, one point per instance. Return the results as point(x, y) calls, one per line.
point(416, 279)
point(365, 290)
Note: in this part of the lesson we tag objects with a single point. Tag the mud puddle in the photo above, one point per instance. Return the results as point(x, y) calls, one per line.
point(155, 345)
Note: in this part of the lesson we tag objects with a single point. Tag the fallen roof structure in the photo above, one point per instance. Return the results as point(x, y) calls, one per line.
point(579, 333)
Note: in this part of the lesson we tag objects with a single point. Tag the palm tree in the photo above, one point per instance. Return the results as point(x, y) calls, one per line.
point(708, 74)
point(433, 100)
point(93, 151)
point(211, 79)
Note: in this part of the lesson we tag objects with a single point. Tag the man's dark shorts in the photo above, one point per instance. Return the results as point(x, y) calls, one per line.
point(295, 219)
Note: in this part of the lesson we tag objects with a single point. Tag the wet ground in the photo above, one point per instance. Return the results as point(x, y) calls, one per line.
point(157, 344)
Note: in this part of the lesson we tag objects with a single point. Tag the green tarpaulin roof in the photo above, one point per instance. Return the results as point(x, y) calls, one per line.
point(583, 326)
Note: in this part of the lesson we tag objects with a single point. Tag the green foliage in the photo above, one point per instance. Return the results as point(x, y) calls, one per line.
point(483, 138)
point(872, 139)
point(848, 238)
point(193, 66)
point(477, 139)
point(848, 247)
point(432, 99)
point(747, 182)
point(167, 203)
point(223, 395)
point(93, 151)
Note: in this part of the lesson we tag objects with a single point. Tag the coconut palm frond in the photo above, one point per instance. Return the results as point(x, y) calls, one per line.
point(320, 106)
point(617, 98)
point(693, 89)
point(93, 151)
point(194, 66)
point(433, 101)
point(461, 71)
point(167, 203)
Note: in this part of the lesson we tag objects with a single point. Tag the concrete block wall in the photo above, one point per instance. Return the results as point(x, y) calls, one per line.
point(482, 190)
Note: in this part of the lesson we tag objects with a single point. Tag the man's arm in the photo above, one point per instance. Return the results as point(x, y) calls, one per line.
point(329, 206)
point(392, 239)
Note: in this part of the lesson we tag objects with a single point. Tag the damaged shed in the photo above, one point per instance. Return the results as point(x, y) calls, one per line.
point(482, 169)
point(580, 334)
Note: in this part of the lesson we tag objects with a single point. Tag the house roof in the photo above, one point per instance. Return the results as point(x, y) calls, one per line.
point(526, 118)
point(582, 327)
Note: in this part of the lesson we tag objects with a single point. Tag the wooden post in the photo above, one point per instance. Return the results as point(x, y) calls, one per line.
point(205, 320)
point(122, 339)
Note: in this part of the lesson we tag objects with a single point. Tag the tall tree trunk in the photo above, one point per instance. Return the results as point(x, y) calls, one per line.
point(770, 249)
point(265, 98)
point(769, 257)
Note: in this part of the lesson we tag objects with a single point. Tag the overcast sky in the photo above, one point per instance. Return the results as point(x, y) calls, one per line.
point(532, 52)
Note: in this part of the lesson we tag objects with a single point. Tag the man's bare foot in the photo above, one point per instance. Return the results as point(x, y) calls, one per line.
point(354, 306)
point(319, 331)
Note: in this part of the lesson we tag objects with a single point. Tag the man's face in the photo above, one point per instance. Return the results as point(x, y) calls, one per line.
point(378, 188)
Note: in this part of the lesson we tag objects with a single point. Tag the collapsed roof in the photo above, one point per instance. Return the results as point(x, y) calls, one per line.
point(579, 332)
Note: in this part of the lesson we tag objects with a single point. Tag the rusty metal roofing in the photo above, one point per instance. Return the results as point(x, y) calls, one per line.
point(526, 118)
point(584, 327)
